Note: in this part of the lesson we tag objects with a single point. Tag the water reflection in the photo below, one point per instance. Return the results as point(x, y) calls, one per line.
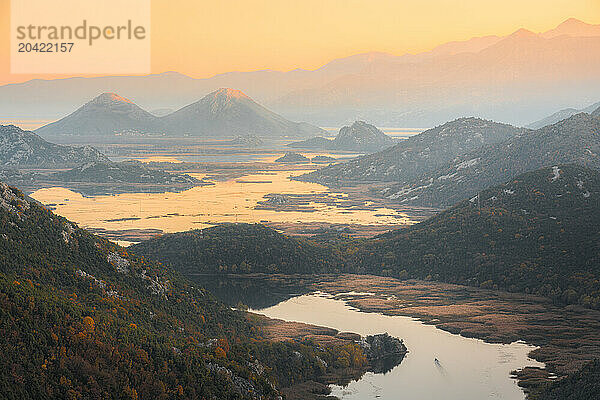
point(234, 200)
point(466, 369)
point(252, 291)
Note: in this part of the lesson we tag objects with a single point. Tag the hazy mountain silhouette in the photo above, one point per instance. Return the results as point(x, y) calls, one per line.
point(106, 114)
point(225, 112)
point(516, 78)
point(229, 112)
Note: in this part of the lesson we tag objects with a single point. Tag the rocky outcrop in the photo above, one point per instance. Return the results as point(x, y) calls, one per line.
point(247, 141)
point(19, 148)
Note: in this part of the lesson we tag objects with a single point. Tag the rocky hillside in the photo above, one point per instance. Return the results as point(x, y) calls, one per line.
point(107, 114)
point(418, 154)
point(537, 233)
point(360, 137)
point(229, 113)
point(19, 148)
point(574, 140)
point(87, 320)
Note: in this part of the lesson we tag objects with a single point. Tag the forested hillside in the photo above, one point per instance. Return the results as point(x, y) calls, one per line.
point(538, 233)
point(240, 248)
point(82, 318)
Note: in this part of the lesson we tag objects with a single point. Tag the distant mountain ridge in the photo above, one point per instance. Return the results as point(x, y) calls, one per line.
point(514, 78)
point(572, 27)
point(225, 112)
point(562, 114)
point(573, 140)
point(527, 68)
point(19, 148)
point(418, 154)
point(359, 136)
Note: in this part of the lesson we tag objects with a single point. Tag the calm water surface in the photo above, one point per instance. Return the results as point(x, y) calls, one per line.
point(230, 201)
point(468, 369)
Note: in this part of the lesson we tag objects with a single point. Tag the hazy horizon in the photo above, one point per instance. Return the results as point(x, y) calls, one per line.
point(302, 38)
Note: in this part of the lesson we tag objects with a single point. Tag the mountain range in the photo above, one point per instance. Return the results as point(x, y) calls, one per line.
point(19, 148)
point(573, 140)
point(223, 113)
point(359, 136)
point(418, 154)
point(514, 78)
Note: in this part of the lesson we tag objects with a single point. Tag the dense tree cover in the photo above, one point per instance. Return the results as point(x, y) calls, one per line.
point(582, 385)
point(538, 233)
point(240, 248)
point(82, 318)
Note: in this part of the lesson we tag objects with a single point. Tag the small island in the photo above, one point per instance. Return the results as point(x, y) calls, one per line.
point(291, 157)
point(383, 352)
point(323, 160)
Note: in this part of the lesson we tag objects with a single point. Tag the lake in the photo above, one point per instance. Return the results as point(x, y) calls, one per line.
point(232, 200)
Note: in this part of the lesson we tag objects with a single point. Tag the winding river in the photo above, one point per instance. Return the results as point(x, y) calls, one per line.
point(466, 369)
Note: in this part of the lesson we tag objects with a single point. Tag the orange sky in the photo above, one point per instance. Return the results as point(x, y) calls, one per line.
point(203, 38)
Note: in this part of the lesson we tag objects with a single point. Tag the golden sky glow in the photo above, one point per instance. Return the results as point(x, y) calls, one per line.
point(203, 38)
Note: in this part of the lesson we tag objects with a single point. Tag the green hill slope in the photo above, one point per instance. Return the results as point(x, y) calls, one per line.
point(239, 248)
point(538, 233)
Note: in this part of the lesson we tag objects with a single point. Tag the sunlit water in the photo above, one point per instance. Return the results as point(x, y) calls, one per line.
point(468, 369)
point(230, 201)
